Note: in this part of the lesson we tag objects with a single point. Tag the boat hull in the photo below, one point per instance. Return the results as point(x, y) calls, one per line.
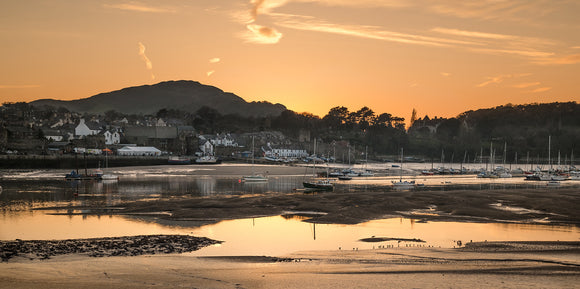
point(318, 186)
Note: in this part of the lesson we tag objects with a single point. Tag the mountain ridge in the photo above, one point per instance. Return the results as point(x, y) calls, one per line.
point(176, 94)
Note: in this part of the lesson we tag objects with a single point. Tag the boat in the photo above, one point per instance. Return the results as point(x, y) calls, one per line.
point(76, 176)
point(318, 185)
point(207, 160)
point(403, 184)
point(254, 178)
point(344, 178)
point(108, 177)
point(179, 160)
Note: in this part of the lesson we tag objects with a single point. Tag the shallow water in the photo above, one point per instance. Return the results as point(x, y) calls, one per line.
point(23, 195)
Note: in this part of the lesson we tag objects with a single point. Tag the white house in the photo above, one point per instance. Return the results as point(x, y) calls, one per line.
point(83, 130)
point(286, 153)
point(206, 146)
point(112, 137)
point(138, 151)
point(224, 140)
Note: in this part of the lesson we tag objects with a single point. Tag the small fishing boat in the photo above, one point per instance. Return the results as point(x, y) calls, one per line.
point(179, 161)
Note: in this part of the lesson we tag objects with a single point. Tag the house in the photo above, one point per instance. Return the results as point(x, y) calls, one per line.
point(285, 153)
point(138, 151)
point(224, 140)
point(83, 129)
point(112, 137)
point(205, 146)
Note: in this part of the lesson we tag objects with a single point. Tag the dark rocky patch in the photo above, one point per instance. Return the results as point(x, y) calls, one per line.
point(104, 247)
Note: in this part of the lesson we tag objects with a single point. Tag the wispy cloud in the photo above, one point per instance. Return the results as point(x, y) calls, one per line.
point(500, 78)
point(501, 44)
point(363, 31)
point(261, 34)
point(148, 63)
point(500, 10)
point(567, 59)
point(18, 86)
point(139, 7)
point(526, 84)
point(533, 49)
point(540, 89)
point(209, 73)
point(446, 74)
point(214, 60)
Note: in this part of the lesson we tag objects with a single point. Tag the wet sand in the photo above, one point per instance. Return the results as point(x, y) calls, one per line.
point(522, 206)
point(477, 265)
point(484, 267)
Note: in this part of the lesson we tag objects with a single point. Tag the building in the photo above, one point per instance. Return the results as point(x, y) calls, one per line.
point(112, 137)
point(84, 129)
point(138, 151)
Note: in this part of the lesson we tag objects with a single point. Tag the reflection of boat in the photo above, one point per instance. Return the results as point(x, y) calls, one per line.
point(179, 161)
point(553, 184)
point(207, 160)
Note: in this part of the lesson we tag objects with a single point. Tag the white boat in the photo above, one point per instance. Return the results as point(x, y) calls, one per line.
point(403, 184)
point(207, 160)
point(254, 178)
point(109, 177)
point(319, 185)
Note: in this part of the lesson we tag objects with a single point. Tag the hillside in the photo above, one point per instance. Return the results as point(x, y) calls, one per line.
point(183, 95)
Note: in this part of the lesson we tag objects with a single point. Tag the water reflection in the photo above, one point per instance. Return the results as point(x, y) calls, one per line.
point(273, 235)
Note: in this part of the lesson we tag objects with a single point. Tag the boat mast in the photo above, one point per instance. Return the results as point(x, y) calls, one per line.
point(401, 174)
point(549, 152)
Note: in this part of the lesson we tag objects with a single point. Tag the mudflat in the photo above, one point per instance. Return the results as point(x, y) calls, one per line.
point(478, 265)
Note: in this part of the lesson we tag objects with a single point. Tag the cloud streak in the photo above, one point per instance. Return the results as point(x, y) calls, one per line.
point(138, 7)
point(540, 89)
point(500, 78)
point(534, 50)
point(17, 86)
point(148, 63)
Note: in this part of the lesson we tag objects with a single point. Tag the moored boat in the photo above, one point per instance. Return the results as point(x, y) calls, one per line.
point(179, 161)
point(207, 160)
point(322, 185)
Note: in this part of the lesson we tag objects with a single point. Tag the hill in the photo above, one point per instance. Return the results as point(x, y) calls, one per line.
point(183, 95)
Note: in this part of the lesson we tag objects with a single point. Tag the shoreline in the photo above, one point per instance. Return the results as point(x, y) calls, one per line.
point(485, 267)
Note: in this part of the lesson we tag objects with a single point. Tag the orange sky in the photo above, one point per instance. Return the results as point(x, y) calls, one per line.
point(440, 57)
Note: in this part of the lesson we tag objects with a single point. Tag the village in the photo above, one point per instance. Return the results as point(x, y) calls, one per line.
point(24, 132)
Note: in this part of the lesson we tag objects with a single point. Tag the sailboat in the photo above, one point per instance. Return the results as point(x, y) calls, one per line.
point(366, 172)
point(320, 185)
point(109, 176)
point(254, 177)
point(403, 184)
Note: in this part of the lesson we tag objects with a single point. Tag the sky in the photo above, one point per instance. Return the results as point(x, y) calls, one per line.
point(439, 57)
